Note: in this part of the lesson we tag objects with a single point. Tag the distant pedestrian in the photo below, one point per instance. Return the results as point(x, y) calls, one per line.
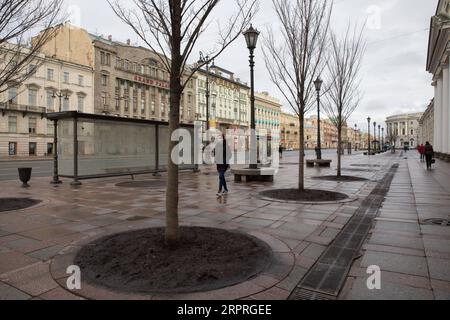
point(429, 154)
point(421, 150)
point(280, 150)
point(222, 156)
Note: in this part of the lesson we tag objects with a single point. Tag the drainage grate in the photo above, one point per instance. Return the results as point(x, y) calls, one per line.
point(311, 295)
point(328, 275)
point(436, 222)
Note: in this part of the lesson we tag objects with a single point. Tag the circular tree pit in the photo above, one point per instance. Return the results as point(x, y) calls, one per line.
point(307, 195)
point(145, 184)
point(11, 204)
point(140, 262)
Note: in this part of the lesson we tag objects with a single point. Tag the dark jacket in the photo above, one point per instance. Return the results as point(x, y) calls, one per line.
point(222, 156)
point(429, 151)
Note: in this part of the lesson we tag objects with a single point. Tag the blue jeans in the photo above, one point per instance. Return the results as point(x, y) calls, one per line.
point(222, 181)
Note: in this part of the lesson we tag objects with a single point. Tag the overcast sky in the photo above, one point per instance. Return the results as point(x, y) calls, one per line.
point(394, 75)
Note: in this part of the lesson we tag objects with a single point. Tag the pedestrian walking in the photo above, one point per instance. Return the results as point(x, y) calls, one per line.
point(429, 155)
point(280, 150)
point(421, 150)
point(222, 156)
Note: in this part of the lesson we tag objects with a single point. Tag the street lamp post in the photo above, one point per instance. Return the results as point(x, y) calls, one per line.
point(60, 95)
point(356, 137)
point(206, 61)
point(368, 121)
point(379, 136)
point(251, 37)
point(382, 131)
point(374, 136)
point(318, 85)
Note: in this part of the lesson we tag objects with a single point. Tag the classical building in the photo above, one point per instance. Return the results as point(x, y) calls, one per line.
point(438, 66)
point(267, 113)
point(129, 81)
point(426, 125)
point(229, 104)
point(328, 133)
point(53, 85)
point(404, 129)
point(290, 130)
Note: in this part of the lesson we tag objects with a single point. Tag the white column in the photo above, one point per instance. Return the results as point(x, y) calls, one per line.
point(445, 106)
point(438, 116)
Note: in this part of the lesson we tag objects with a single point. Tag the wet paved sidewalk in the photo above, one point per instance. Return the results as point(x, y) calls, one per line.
point(31, 239)
point(414, 257)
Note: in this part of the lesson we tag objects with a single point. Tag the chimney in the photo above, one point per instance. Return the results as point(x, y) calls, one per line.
point(128, 42)
point(110, 37)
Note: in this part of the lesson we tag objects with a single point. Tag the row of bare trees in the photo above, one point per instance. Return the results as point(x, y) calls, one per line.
point(308, 49)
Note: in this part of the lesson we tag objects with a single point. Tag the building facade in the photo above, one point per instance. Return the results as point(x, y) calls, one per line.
point(267, 113)
point(404, 129)
point(229, 102)
point(438, 65)
point(54, 85)
point(328, 133)
point(129, 81)
point(290, 130)
point(426, 125)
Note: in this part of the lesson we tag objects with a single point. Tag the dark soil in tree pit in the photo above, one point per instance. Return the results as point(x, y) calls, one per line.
point(307, 195)
point(341, 178)
point(10, 204)
point(140, 262)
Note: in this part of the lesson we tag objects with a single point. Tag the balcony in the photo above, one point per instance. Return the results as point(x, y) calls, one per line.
point(25, 109)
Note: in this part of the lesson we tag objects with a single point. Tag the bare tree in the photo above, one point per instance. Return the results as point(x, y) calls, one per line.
point(173, 28)
point(343, 67)
point(18, 19)
point(297, 59)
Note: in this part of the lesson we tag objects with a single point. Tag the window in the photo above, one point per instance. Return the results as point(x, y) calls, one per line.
point(66, 77)
point(32, 125)
point(50, 74)
point(80, 104)
point(49, 148)
point(118, 61)
point(32, 148)
point(105, 58)
point(80, 80)
point(50, 100)
point(104, 80)
point(142, 69)
point(134, 67)
point(66, 104)
point(12, 148)
point(32, 69)
point(104, 98)
point(142, 103)
point(12, 124)
point(127, 104)
point(117, 103)
point(12, 95)
point(32, 97)
point(50, 127)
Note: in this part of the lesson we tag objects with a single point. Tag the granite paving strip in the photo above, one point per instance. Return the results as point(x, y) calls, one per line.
point(328, 275)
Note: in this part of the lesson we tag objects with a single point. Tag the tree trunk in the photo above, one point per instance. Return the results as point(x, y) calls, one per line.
point(339, 159)
point(301, 166)
point(172, 197)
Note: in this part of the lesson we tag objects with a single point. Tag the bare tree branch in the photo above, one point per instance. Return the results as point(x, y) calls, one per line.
point(343, 68)
point(18, 19)
point(173, 28)
point(297, 59)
